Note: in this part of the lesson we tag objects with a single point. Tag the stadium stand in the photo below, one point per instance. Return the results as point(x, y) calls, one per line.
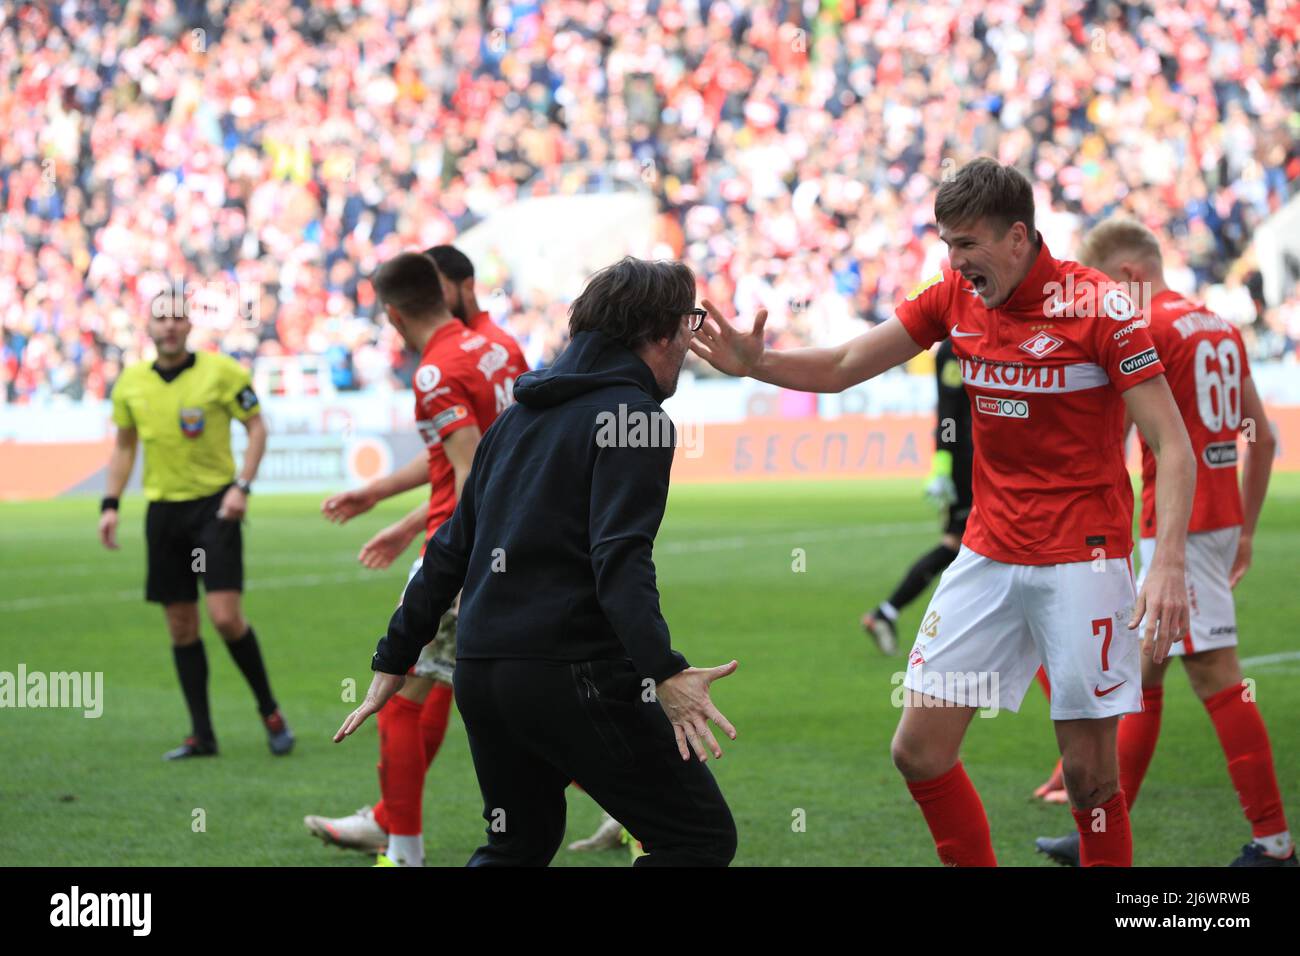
point(263, 157)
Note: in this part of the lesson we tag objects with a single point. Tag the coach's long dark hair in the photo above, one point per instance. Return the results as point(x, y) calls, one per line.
point(635, 301)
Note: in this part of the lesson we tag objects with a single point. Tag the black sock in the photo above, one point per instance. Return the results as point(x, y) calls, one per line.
point(921, 574)
point(248, 657)
point(192, 668)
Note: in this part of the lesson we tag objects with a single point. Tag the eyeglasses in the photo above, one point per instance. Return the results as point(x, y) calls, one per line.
point(696, 318)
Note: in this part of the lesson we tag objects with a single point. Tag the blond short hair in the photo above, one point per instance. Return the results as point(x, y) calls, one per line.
point(1115, 236)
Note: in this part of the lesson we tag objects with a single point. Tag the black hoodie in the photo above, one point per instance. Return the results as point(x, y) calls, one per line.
point(552, 537)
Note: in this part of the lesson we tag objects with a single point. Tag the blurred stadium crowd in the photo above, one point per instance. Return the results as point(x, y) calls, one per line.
point(271, 153)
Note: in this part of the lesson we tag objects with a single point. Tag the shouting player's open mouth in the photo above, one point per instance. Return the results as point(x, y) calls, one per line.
point(979, 281)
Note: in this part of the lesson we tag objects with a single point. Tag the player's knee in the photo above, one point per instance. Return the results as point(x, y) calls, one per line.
point(1088, 786)
point(917, 760)
point(1212, 672)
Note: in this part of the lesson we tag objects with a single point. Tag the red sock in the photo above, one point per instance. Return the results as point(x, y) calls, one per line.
point(434, 719)
point(401, 768)
point(956, 818)
point(1250, 759)
point(1105, 837)
point(1043, 682)
point(1137, 742)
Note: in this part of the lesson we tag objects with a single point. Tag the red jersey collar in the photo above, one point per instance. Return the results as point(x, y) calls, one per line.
point(445, 331)
point(1165, 296)
point(1032, 291)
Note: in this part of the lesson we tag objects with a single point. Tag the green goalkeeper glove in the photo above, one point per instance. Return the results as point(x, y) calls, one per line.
point(940, 488)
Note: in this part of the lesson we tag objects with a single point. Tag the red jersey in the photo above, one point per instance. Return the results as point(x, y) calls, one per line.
point(483, 324)
point(1044, 372)
point(464, 378)
point(1205, 360)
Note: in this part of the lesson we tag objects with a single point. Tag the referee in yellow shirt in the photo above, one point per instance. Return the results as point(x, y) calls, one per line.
point(181, 406)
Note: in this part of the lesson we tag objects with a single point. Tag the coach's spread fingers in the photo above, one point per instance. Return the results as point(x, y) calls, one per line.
point(681, 742)
point(717, 717)
point(707, 736)
point(696, 739)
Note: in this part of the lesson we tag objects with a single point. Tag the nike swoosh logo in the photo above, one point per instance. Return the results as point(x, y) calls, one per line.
point(1102, 693)
point(959, 334)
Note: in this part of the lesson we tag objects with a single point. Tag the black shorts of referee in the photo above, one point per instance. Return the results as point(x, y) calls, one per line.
point(187, 541)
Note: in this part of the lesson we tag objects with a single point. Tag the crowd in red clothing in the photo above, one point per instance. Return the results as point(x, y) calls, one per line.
point(262, 157)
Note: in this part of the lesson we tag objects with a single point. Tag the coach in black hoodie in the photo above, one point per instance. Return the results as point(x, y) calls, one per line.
point(565, 671)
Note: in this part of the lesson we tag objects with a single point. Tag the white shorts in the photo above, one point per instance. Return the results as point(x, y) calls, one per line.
point(437, 660)
point(989, 626)
point(1212, 613)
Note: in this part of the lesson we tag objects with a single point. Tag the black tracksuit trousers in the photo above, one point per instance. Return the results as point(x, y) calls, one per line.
point(535, 726)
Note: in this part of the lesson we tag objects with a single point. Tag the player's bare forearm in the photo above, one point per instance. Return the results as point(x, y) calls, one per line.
point(256, 427)
point(346, 505)
point(1162, 602)
point(459, 447)
point(1257, 465)
point(738, 353)
point(412, 523)
point(411, 475)
point(1174, 493)
point(838, 368)
point(1151, 407)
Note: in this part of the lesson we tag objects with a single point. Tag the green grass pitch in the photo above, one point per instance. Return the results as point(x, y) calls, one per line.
point(811, 700)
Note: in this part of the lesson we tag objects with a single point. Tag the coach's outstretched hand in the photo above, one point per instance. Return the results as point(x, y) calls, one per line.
point(729, 351)
point(685, 699)
point(382, 687)
point(1163, 603)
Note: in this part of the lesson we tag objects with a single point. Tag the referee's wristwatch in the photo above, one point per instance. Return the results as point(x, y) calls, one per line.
point(245, 486)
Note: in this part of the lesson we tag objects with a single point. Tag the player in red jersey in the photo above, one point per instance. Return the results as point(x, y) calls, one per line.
point(457, 273)
point(1205, 361)
point(464, 380)
point(1043, 573)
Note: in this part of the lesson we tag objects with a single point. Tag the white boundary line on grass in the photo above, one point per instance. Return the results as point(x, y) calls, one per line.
point(794, 538)
point(1266, 659)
